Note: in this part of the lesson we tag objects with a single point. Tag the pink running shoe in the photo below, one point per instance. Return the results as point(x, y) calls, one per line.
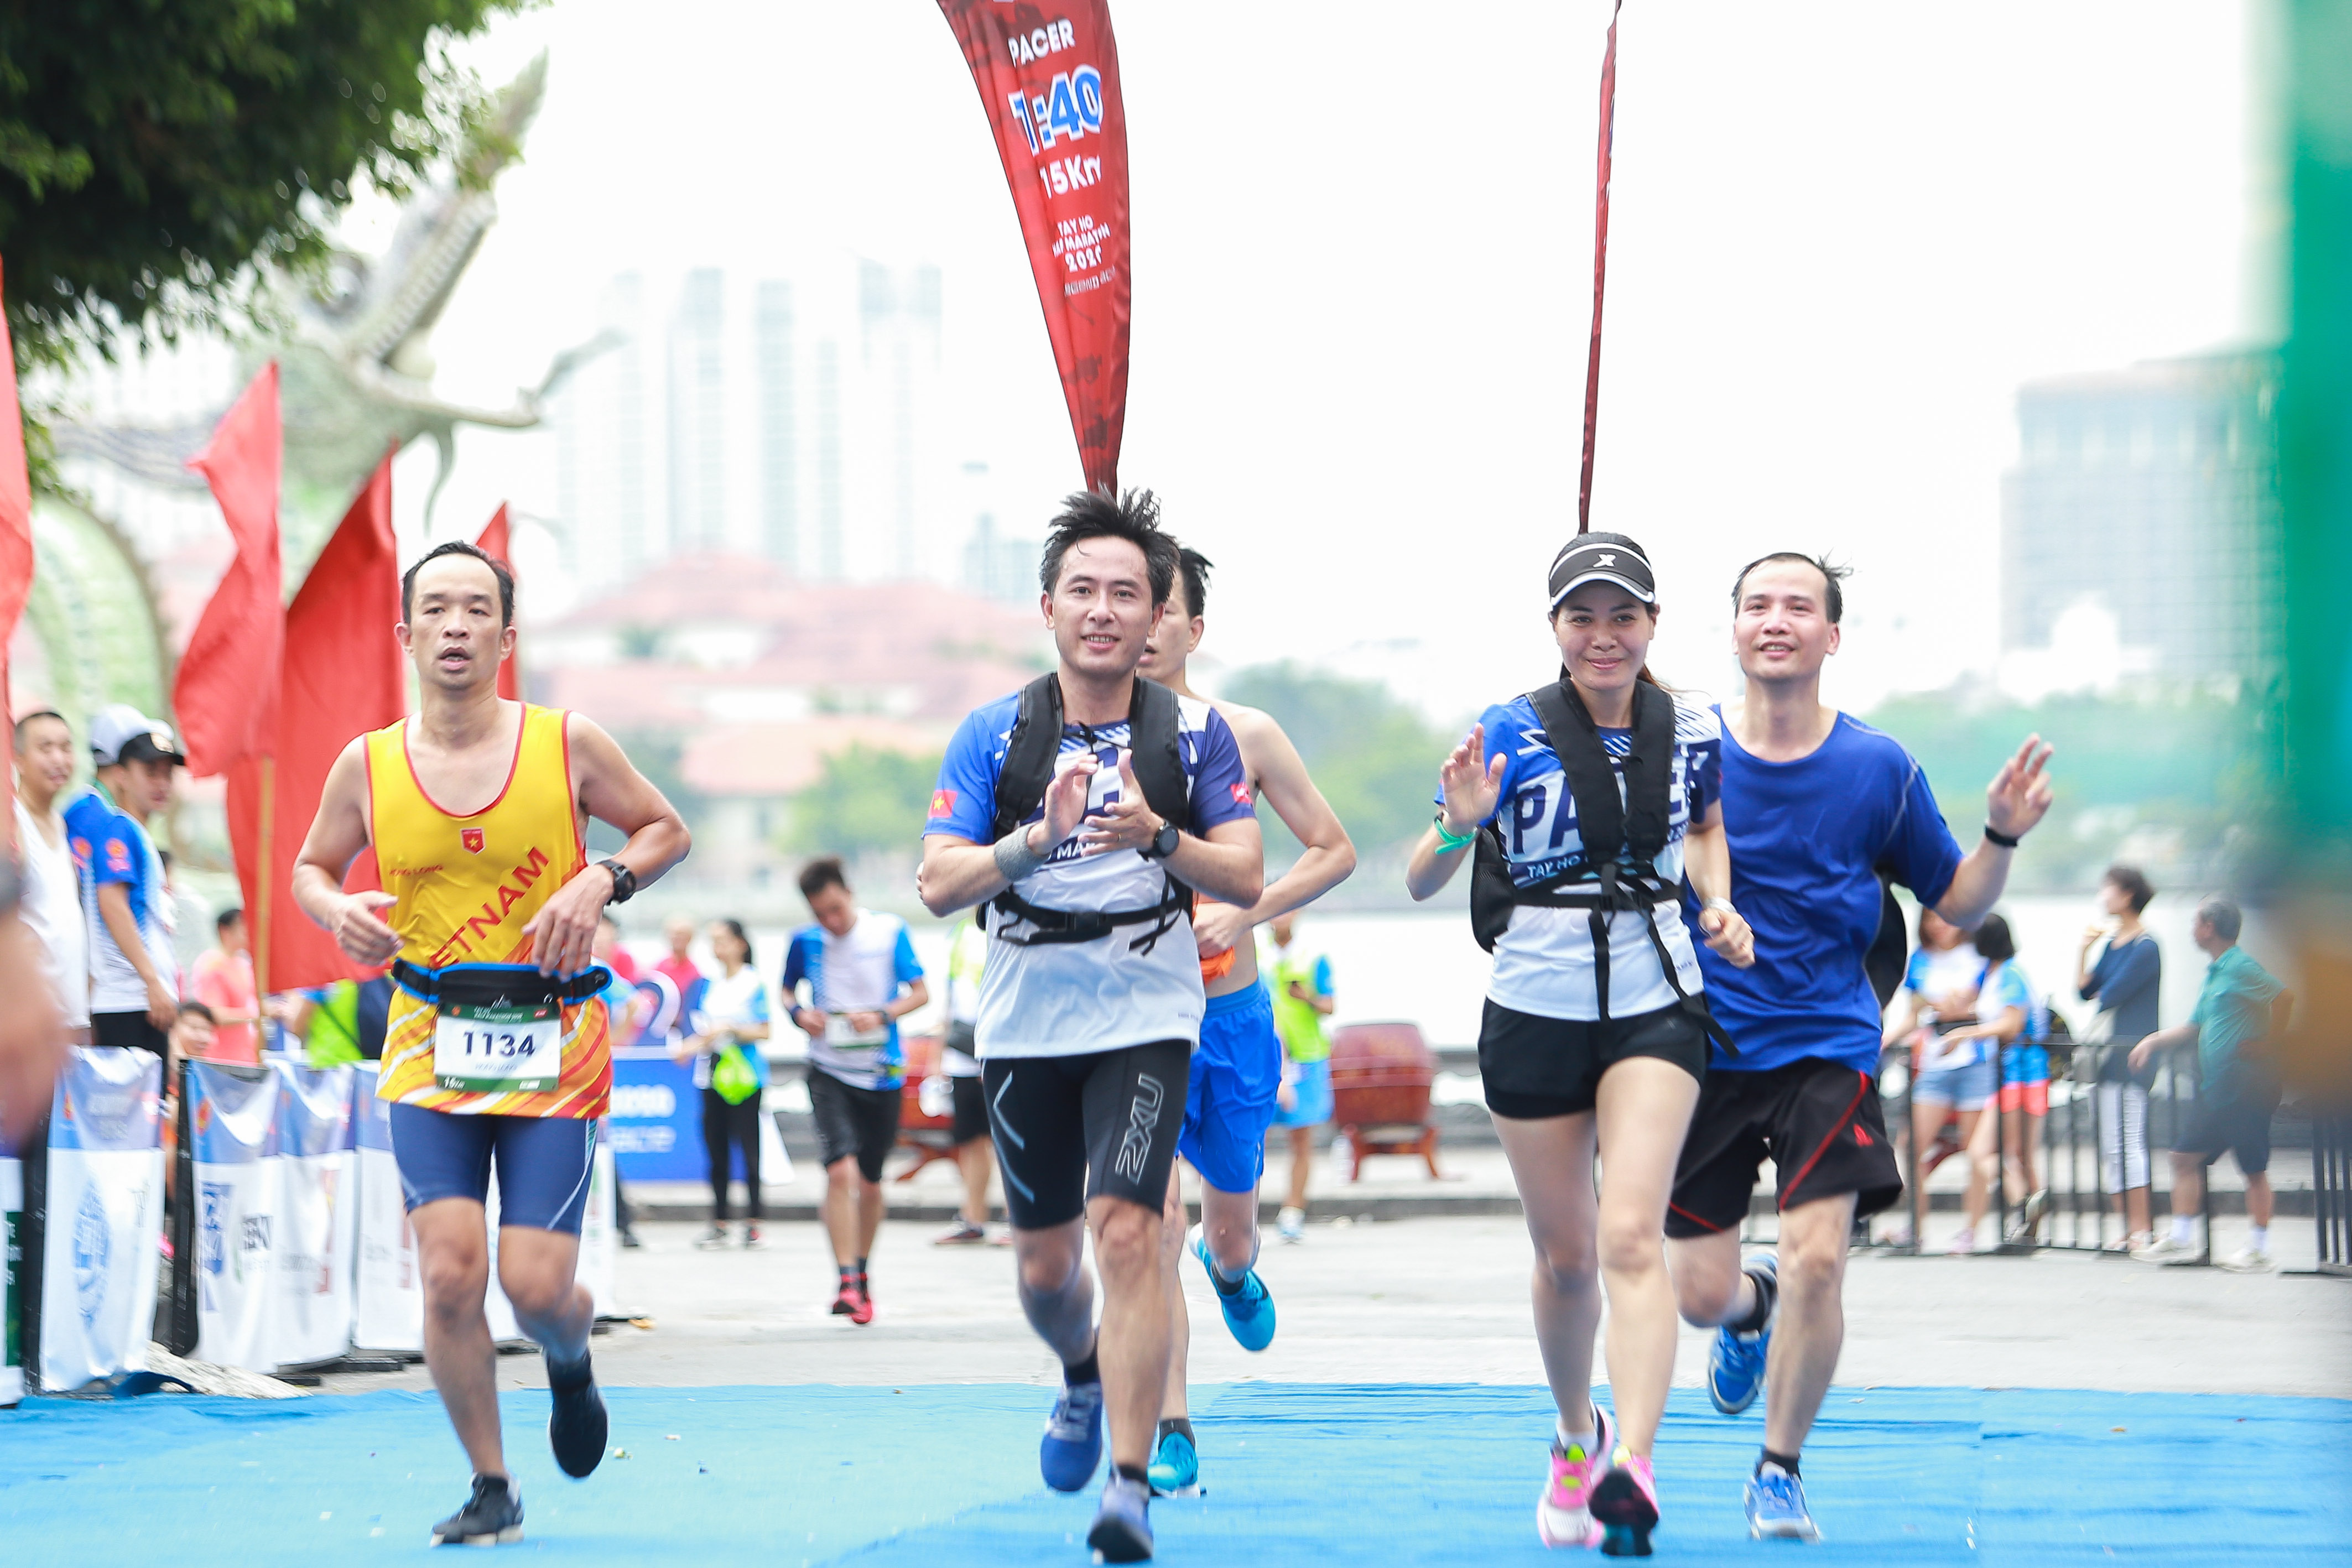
point(1562, 1516)
point(1624, 1505)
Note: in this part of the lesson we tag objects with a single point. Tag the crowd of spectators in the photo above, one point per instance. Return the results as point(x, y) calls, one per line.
point(1976, 1041)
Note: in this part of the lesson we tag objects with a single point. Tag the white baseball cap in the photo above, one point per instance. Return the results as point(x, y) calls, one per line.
point(121, 733)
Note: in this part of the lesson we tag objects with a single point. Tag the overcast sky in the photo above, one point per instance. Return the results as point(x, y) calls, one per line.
point(1843, 235)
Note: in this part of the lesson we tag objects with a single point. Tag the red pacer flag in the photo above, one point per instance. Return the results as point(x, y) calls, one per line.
point(494, 540)
point(15, 549)
point(1048, 78)
point(226, 697)
point(342, 675)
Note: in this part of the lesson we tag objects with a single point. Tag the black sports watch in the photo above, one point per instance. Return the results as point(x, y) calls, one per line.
point(1163, 842)
point(625, 881)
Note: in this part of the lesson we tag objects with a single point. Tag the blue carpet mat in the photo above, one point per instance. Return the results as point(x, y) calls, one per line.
point(1298, 1473)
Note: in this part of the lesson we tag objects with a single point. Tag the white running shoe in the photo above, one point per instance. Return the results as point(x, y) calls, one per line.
point(1962, 1245)
point(2249, 1260)
point(2165, 1250)
point(1291, 1225)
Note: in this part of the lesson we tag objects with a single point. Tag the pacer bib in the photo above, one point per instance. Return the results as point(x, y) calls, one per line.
point(488, 1033)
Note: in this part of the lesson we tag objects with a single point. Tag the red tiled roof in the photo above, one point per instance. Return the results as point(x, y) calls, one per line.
point(783, 759)
point(925, 650)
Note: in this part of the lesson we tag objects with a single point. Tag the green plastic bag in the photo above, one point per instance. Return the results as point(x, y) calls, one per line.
point(733, 1076)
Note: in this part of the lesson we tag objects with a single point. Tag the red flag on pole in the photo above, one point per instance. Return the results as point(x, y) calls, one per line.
point(494, 541)
point(226, 697)
point(16, 546)
point(341, 675)
point(1050, 87)
point(1599, 268)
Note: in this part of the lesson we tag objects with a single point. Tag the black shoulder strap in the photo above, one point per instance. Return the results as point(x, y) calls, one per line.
point(1634, 824)
point(1029, 755)
point(1155, 738)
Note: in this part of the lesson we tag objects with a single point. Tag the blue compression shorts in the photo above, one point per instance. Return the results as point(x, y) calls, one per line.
point(1230, 1102)
point(543, 1163)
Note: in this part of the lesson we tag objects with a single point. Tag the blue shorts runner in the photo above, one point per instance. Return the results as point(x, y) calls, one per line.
point(1312, 1105)
point(543, 1163)
point(1230, 1102)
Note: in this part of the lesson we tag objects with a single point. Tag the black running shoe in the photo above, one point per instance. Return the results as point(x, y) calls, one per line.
point(576, 1428)
point(492, 1515)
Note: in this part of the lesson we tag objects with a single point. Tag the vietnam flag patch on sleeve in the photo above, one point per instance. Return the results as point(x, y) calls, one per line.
point(943, 804)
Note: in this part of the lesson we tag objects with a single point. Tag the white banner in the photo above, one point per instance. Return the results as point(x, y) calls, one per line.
point(237, 1192)
point(390, 1309)
point(12, 1264)
point(310, 1283)
point(600, 1239)
point(105, 1216)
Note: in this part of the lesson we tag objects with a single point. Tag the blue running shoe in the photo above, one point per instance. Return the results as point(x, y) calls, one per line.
point(1072, 1449)
point(1248, 1306)
point(1122, 1531)
point(1735, 1362)
point(1776, 1507)
point(1175, 1470)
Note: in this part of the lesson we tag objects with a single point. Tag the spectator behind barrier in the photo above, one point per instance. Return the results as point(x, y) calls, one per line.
point(2125, 982)
point(2242, 1011)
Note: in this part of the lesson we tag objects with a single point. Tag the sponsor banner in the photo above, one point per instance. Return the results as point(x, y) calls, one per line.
point(388, 1309)
point(1049, 79)
point(316, 1236)
point(11, 1267)
point(655, 1127)
point(233, 1113)
point(105, 1218)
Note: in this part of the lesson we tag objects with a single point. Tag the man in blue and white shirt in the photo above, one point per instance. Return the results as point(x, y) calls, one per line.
point(1084, 1046)
point(134, 990)
point(862, 978)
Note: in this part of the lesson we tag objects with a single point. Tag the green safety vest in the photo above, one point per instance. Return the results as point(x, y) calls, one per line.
point(1298, 1024)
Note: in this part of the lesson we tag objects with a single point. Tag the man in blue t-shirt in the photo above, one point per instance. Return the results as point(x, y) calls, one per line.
point(862, 978)
point(1815, 803)
point(134, 988)
point(1087, 1027)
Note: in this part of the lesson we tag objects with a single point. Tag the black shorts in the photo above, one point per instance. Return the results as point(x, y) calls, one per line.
point(1535, 1067)
point(136, 1030)
point(1821, 1122)
point(2234, 1119)
point(970, 1110)
point(1070, 1128)
point(853, 1123)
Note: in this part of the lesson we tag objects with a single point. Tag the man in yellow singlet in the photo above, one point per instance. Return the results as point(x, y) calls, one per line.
point(1236, 1073)
point(496, 1048)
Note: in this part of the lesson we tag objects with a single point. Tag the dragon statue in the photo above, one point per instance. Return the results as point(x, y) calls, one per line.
point(354, 347)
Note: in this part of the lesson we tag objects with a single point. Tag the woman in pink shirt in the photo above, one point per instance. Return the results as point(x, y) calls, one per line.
point(222, 978)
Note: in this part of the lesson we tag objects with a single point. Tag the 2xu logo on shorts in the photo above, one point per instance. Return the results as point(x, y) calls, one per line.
point(1142, 1120)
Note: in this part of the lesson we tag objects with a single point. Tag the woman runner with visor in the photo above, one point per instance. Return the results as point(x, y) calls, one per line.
point(1593, 1046)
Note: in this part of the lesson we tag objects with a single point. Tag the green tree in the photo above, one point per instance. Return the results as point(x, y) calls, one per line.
point(1372, 755)
point(151, 151)
point(866, 800)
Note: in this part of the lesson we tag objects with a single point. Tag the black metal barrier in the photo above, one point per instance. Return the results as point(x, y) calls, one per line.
point(2331, 1185)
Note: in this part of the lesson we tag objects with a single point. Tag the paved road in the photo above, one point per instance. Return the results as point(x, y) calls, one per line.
point(1446, 1300)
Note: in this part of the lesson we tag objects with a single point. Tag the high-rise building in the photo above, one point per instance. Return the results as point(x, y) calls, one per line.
point(798, 418)
point(2152, 494)
point(698, 414)
point(609, 446)
point(780, 470)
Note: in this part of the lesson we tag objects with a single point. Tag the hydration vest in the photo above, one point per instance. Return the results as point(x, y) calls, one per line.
point(1621, 837)
point(1155, 743)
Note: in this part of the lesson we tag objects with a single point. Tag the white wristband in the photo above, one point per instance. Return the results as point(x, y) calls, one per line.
point(1720, 904)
